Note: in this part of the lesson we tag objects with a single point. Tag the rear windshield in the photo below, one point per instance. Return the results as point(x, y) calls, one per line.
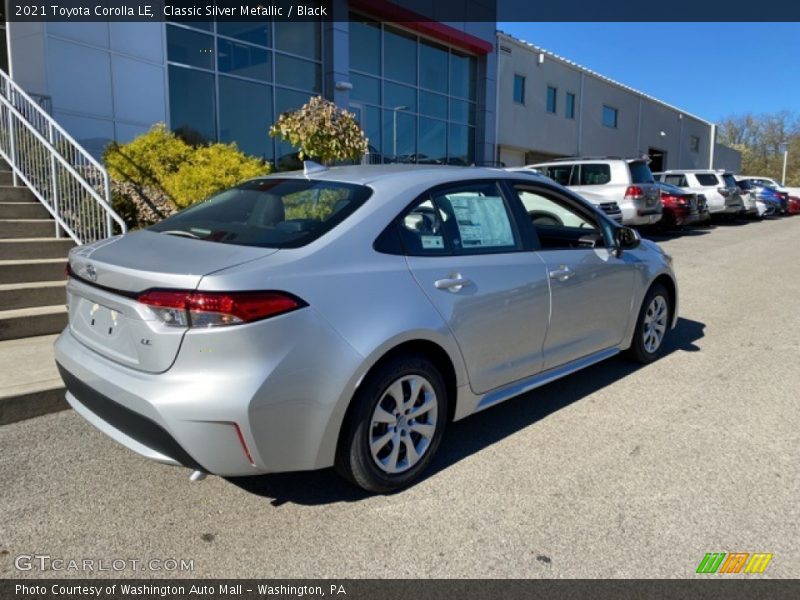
point(707, 179)
point(274, 213)
point(640, 172)
point(729, 180)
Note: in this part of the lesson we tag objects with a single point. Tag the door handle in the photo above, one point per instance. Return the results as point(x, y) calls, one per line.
point(454, 283)
point(562, 273)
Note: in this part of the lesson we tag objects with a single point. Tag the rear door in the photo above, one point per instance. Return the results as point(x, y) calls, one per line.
point(591, 288)
point(468, 255)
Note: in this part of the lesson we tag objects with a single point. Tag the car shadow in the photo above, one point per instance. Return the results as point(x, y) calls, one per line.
point(473, 434)
point(662, 236)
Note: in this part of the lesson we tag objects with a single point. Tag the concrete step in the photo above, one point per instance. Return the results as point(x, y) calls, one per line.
point(34, 293)
point(47, 247)
point(33, 269)
point(10, 193)
point(29, 322)
point(29, 382)
point(23, 210)
point(26, 228)
point(6, 177)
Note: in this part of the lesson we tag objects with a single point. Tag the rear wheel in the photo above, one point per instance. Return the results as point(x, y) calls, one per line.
point(652, 325)
point(394, 426)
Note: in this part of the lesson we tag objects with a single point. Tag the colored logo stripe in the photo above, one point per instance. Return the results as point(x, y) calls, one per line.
point(734, 563)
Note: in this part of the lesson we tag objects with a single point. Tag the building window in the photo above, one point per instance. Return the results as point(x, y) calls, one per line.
point(228, 81)
point(569, 110)
point(519, 89)
point(610, 115)
point(552, 94)
point(694, 143)
point(415, 99)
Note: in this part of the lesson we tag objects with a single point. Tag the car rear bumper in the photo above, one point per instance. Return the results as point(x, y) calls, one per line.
point(240, 408)
point(635, 216)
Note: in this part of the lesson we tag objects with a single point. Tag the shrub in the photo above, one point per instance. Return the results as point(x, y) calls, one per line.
point(209, 170)
point(158, 172)
point(322, 131)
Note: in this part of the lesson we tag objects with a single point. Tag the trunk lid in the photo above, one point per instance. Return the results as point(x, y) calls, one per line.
point(104, 313)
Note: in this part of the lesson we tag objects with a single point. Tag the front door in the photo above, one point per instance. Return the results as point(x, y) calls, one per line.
point(590, 287)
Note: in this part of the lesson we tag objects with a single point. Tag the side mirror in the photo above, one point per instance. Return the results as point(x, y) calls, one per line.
point(627, 238)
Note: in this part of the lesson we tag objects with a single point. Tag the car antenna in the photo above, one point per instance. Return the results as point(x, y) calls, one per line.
point(309, 167)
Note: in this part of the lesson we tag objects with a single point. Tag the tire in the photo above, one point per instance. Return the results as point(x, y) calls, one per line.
point(645, 348)
point(393, 466)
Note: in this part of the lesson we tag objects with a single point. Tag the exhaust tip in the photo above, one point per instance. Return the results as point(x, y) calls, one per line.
point(197, 476)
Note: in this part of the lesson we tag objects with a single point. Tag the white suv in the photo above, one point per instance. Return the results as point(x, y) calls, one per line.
point(718, 186)
point(626, 181)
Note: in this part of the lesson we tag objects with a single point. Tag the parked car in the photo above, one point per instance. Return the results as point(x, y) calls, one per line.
point(628, 182)
point(772, 200)
point(610, 208)
point(704, 216)
point(793, 205)
point(770, 184)
point(719, 188)
point(343, 316)
point(680, 207)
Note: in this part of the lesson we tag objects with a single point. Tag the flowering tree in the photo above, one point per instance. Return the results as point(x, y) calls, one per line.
point(322, 131)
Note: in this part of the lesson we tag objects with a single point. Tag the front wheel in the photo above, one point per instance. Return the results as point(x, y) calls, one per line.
point(394, 426)
point(651, 326)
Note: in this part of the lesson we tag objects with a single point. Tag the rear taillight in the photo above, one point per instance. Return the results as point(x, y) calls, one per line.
point(215, 309)
point(633, 192)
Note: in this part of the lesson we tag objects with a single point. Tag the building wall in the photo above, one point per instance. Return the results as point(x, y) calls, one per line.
point(727, 158)
point(105, 81)
point(528, 132)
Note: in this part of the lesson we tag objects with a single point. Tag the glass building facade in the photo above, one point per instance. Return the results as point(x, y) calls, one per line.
point(228, 81)
point(415, 98)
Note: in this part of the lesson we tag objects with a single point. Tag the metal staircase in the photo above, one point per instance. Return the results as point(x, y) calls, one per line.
point(53, 195)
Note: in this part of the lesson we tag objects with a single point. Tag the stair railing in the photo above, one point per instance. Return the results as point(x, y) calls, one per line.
point(71, 184)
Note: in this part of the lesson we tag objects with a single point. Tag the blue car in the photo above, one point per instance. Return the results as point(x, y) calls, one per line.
point(775, 202)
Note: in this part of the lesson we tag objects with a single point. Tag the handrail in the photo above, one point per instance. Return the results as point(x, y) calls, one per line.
point(71, 184)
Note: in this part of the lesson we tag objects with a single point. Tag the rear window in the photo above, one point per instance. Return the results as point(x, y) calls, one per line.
point(598, 174)
point(729, 180)
point(707, 179)
point(640, 172)
point(274, 213)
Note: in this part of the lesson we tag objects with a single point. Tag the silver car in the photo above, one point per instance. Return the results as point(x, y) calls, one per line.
point(342, 317)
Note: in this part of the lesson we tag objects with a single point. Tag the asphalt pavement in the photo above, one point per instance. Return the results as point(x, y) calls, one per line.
point(617, 471)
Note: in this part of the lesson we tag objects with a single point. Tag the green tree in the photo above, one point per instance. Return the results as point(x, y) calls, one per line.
point(321, 131)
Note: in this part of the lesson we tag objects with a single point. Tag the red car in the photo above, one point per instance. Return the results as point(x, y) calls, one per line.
point(793, 205)
point(680, 207)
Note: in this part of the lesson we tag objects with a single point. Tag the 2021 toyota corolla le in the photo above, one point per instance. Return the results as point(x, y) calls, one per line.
point(344, 316)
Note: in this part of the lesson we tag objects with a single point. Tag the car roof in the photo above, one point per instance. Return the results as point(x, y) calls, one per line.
point(587, 159)
point(367, 174)
point(678, 171)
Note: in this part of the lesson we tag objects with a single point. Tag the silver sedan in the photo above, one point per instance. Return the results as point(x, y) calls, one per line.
point(342, 317)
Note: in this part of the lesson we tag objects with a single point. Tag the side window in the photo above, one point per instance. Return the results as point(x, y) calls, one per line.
point(707, 179)
point(558, 223)
point(560, 173)
point(422, 230)
point(674, 179)
point(598, 174)
point(476, 218)
point(466, 219)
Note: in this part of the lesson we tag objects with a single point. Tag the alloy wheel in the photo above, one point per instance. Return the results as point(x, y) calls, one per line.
point(655, 324)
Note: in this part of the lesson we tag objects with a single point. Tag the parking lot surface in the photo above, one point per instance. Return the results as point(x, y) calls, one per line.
point(617, 471)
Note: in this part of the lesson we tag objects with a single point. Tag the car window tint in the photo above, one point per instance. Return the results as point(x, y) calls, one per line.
point(269, 212)
point(560, 173)
point(422, 229)
point(729, 180)
point(679, 180)
point(544, 211)
point(707, 179)
point(640, 172)
point(479, 219)
point(591, 174)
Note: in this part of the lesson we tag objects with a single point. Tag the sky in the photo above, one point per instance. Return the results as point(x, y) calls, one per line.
point(712, 70)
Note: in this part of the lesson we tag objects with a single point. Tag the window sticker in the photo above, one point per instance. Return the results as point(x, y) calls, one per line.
point(482, 221)
point(432, 242)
